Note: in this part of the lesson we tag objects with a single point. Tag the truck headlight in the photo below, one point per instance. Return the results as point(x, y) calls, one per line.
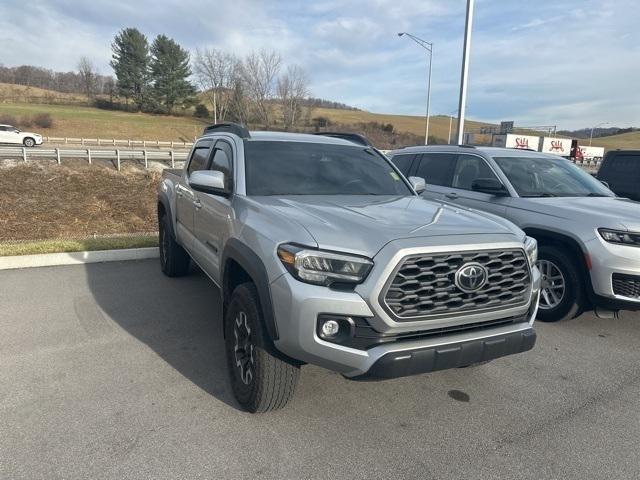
point(531, 247)
point(620, 237)
point(323, 268)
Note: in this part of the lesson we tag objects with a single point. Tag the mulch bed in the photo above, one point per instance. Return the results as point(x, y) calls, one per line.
point(44, 200)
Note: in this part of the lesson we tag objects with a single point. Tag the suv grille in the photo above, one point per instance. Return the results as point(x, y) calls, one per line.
point(626, 285)
point(424, 285)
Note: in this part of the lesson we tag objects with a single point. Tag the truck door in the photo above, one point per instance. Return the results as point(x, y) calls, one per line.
point(437, 171)
point(213, 214)
point(186, 197)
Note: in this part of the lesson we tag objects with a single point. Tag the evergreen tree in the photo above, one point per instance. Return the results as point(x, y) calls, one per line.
point(130, 62)
point(170, 72)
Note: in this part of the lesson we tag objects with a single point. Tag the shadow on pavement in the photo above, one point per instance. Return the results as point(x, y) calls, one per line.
point(179, 319)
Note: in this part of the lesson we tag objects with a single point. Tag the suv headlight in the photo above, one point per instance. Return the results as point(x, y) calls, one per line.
point(323, 268)
point(531, 247)
point(620, 237)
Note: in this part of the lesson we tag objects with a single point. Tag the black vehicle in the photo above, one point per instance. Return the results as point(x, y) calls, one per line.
point(621, 171)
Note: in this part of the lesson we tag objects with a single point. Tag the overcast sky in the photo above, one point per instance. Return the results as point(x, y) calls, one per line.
point(572, 63)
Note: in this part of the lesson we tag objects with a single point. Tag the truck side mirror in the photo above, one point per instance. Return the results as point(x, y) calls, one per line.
point(418, 184)
point(492, 186)
point(208, 181)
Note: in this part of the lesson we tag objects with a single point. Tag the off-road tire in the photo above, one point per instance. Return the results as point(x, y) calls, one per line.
point(174, 260)
point(574, 299)
point(260, 381)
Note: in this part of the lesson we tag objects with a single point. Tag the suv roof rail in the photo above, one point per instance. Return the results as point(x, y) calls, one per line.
point(235, 128)
point(352, 137)
point(464, 145)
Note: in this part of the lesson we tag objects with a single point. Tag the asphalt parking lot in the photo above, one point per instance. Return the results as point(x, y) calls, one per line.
point(114, 371)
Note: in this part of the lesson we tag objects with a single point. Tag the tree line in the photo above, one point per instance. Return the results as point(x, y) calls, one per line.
point(161, 76)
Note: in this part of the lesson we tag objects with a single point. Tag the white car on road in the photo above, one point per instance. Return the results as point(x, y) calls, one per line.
point(11, 134)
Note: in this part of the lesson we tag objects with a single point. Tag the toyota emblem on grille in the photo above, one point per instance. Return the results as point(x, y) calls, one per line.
point(471, 277)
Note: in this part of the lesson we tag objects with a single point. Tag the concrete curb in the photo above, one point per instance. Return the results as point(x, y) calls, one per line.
point(75, 258)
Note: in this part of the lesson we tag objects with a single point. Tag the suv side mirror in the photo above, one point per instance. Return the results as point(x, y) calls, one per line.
point(418, 184)
point(492, 186)
point(208, 181)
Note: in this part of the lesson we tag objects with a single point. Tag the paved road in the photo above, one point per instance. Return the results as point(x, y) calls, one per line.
point(113, 371)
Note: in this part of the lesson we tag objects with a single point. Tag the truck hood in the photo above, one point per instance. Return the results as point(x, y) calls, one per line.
point(364, 224)
point(607, 212)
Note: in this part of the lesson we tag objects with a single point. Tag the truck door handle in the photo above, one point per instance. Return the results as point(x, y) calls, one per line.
point(451, 195)
point(197, 204)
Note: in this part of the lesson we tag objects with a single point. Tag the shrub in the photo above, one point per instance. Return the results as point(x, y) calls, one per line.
point(201, 111)
point(26, 121)
point(8, 119)
point(43, 120)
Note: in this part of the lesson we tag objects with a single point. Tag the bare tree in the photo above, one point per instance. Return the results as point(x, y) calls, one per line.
point(215, 71)
point(259, 74)
point(292, 90)
point(88, 75)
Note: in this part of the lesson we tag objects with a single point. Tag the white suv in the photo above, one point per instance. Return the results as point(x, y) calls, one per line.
point(11, 134)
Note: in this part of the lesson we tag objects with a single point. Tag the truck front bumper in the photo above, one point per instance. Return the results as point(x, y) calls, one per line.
point(298, 305)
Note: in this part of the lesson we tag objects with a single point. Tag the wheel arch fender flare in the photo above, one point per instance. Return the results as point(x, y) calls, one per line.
point(163, 201)
point(252, 264)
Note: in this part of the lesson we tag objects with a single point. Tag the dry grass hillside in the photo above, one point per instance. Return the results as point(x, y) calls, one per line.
point(72, 119)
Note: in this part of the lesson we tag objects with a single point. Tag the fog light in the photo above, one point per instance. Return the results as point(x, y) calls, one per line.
point(330, 328)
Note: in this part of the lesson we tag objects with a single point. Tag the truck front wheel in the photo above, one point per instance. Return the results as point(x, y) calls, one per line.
point(260, 381)
point(174, 260)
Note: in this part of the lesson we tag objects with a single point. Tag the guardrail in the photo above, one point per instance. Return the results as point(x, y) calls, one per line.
point(117, 142)
point(89, 154)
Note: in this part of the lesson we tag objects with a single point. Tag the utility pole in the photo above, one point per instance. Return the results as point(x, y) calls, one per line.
point(465, 70)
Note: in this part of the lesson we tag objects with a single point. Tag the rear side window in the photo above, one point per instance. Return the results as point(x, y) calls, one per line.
point(437, 168)
point(621, 167)
point(403, 162)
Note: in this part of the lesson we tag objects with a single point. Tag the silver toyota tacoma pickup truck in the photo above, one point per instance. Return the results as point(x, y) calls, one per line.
point(324, 253)
point(588, 237)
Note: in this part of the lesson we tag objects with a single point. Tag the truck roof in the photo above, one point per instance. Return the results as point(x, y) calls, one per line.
point(268, 136)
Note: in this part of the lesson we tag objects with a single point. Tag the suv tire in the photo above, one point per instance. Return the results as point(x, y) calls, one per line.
point(260, 381)
point(28, 142)
point(174, 260)
point(562, 294)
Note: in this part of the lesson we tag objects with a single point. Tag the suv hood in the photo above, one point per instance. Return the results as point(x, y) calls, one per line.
point(364, 224)
point(607, 212)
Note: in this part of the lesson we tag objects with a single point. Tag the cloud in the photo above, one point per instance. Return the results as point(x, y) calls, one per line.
point(566, 62)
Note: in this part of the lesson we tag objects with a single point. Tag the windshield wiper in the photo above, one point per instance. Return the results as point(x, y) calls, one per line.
point(594, 194)
point(536, 195)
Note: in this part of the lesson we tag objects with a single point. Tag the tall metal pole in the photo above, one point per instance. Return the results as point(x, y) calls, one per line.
point(426, 132)
point(593, 128)
point(465, 70)
point(428, 46)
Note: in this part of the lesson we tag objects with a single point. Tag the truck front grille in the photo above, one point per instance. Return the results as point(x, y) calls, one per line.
point(424, 285)
point(626, 285)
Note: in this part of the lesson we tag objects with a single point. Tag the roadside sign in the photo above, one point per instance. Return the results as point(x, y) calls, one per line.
point(506, 127)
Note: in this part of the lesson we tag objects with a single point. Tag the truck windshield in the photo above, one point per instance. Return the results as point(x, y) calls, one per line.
point(537, 176)
point(303, 168)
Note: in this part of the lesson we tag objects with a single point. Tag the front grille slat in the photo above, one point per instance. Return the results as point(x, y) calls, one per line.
point(423, 285)
point(626, 285)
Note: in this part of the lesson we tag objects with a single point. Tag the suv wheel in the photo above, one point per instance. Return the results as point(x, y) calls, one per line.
point(562, 291)
point(260, 381)
point(174, 260)
point(29, 142)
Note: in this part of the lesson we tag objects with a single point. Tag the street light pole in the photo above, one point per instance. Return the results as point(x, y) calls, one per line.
point(465, 70)
point(593, 128)
point(428, 46)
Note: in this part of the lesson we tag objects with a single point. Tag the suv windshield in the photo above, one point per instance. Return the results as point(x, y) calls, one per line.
point(303, 168)
point(537, 176)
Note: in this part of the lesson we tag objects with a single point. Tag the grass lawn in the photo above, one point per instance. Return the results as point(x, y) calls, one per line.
point(88, 122)
point(56, 246)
